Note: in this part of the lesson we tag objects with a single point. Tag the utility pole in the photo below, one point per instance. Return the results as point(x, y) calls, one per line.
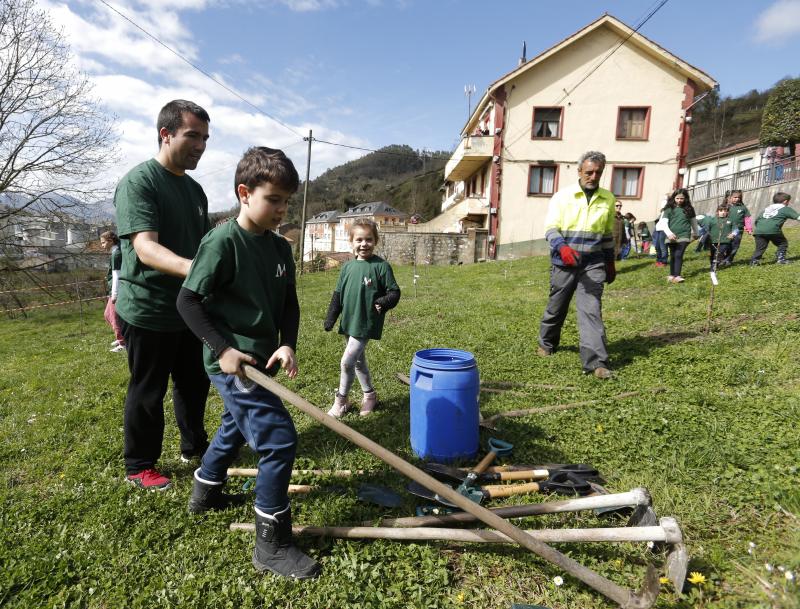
point(309, 139)
point(468, 91)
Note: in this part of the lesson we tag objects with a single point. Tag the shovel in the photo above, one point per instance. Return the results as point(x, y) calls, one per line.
point(454, 474)
point(562, 483)
point(624, 597)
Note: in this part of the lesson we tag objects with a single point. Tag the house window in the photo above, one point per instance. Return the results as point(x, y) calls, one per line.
point(702, 175)
point(542, 179)
point(547, 123)
point(745, 164)
point(722, 170)
point(626, 182)
point(633, 123)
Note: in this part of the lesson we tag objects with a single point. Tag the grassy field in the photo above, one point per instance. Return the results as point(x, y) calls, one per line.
point(719, 450)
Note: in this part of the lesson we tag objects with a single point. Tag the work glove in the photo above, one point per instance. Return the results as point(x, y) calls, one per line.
point(611, 271)
point(568, 255)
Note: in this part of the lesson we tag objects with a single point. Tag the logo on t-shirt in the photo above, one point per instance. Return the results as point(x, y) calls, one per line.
point(199, 210)
point(367, 281)
point(280, 271)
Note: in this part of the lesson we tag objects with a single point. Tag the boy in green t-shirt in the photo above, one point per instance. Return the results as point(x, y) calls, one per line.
point(720, 231)
point(240, 299)
point(769, 228)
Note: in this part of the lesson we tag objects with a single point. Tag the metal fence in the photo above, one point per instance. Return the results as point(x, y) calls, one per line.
point(783, 170)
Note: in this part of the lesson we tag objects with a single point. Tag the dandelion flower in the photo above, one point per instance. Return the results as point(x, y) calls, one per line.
point(599, 428)
point(558, 580)
point(651, 545)
point(663, 580)
point(768, 567)
point(789, 576)
point(460, 598)
point(695, 577)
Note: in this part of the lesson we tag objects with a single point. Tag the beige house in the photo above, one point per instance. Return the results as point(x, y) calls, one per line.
point(604, 88)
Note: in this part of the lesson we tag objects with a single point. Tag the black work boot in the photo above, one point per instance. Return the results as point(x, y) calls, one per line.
point(207, 496)
point(274, 550)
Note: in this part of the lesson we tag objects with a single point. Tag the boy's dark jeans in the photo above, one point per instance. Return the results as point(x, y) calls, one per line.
point(258, 417)
point(762, 241)
point(152, 358)
point(719, 258)
point(736, 241)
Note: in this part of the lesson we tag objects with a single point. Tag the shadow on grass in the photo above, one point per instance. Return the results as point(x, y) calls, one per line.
point(624, 351)
point(630, 266)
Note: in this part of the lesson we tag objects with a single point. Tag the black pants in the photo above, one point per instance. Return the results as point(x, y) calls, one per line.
point(762, 241)
point(736, 241)
point(152, 358)
point(718, 258)
point(676, 250)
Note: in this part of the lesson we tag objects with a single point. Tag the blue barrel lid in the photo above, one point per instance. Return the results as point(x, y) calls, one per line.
point(444, 359)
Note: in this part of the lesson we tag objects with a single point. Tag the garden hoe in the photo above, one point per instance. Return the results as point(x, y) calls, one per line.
point(638, 498)
point(447, 473)
point(625, 598)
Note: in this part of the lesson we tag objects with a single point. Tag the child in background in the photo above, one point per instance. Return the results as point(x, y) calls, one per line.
point(240, 299)
point(644, 237)
point(110, 242)
point(366, 290)
point(630, 235)
point(769, 228)
point(680, 226)
point(720, 231)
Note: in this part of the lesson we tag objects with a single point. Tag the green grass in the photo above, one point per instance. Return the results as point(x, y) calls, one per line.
point(719, 450)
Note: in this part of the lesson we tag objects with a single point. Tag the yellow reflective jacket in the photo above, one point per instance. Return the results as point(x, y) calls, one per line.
point(585, 227)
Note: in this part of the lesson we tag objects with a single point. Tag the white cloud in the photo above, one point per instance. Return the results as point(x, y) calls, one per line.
point(309, 5)
point(778, 21)
point(134, 76)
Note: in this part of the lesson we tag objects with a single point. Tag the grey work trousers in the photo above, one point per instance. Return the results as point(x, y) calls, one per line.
point(587, 282)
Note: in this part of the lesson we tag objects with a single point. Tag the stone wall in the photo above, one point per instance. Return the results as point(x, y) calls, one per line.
point(432, 248)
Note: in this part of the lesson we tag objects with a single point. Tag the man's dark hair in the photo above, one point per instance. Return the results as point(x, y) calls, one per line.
point(171, 116)
point(260, 164)
point(781, 197)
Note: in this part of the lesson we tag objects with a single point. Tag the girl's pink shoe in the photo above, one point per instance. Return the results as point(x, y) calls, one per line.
point(368, 403)
point(339, 407)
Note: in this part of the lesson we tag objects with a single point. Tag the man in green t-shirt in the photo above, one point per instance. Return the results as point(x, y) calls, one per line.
point(769, 228)
point(162, 214)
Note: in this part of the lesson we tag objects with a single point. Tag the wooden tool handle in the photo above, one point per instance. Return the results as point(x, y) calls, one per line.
point(484, 463)
point(508, 490)
point(531, 474)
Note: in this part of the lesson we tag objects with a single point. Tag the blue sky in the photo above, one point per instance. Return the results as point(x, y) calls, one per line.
point(370, 73)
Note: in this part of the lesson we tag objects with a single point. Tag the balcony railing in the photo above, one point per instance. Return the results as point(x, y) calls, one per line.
point(783, 170)
point(472, 152)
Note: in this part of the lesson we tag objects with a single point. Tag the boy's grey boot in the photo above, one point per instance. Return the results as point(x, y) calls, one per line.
point(781, 258)
point(274, 550)
point(207, 496)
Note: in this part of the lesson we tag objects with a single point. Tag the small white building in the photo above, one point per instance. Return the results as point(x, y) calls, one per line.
point(328, 231)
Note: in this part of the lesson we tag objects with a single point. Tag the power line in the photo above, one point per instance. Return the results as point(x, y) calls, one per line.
point(614, 50)
point(198, 68)
point(644, 20)
point(238, 96)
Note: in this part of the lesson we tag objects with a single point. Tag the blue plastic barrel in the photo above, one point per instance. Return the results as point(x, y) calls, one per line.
point(444, 405)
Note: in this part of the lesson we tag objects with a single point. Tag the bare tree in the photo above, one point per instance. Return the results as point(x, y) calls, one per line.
point(55, 139)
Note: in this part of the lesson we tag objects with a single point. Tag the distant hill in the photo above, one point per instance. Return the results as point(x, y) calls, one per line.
point(397, 174)
point(731, 119)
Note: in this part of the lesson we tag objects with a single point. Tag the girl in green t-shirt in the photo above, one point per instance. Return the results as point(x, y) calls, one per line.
point(680, 226)
point(365, 291)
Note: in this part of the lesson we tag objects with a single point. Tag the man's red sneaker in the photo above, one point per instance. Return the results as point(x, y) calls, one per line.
point(149, 479)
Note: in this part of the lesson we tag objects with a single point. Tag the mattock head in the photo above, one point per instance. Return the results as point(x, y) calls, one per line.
point(646, 597)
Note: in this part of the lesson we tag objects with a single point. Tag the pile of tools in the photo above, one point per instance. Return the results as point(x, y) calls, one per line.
point(472, 487)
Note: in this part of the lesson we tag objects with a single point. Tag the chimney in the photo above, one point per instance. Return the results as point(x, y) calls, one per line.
point(523, 59)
